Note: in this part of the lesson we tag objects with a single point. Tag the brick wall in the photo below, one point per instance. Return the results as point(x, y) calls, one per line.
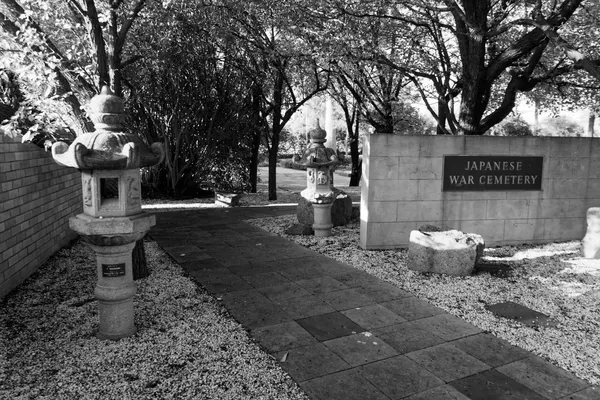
point(402, 190)
point(37, 197)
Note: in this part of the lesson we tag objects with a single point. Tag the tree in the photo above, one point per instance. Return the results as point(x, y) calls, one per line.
point(500, 47)
point(189, 93)
point(28, 44)
point(281, 63)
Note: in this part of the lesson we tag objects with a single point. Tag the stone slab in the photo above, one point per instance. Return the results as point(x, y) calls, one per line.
point(382, 291)
point(544, 378)
point(360, 348)
point(494, 385)
point(490, 349)
point(373, 316)
point(447, 326)
point(308, 362)
point(321, 285)
point(445, 392)
point(345, 299)
point(284, 336)
point(407, 337)
point(304, 306)
point(283, 291)
point(399, 377)
point(330, 326)
point(447, 362)
point(411, 308)
point(520, 313)
point(347, 385)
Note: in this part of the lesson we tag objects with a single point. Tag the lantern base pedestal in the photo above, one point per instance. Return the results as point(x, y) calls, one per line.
point(322, 225)
point(115, 290)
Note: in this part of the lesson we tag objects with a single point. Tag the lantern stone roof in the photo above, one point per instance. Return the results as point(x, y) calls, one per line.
point(317, 155)
point(108, 147)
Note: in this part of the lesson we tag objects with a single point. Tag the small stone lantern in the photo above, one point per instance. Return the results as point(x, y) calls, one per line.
point(112, 219)
point(320, 163)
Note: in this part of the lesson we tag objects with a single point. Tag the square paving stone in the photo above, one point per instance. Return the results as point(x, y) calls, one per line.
point(354, 278)
point(490, 349)
point(360, 348)
point(311, 361)
point(345, 299)
point(283, 291)
point(304, 306)
point(251, 309)
point(253, 267)
point(242, 299)
point(382, 291)
point(399, 377)
point(260, 315)
point(232, 259)
point(493, 385)
point(445, 392)
point(522, 314)
point(193, 266)
point(591, 393)
point(265, 279)
point(284, 336)
point(347, 385)
point(304, 272)
point(447, 326)
point(541, 376)
point(411, 308)
point(373, 316)
point(447, 362)
point(407, 337)
point(321, 285)
point(330, 326)
point(219, 281)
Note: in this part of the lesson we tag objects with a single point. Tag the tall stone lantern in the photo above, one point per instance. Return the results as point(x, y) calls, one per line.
point(320, 163)
point(112, 220)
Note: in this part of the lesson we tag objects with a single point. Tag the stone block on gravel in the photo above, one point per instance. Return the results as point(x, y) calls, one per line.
point(300, 229)
point(590, 245)
point(449, 252)
point(341, 210)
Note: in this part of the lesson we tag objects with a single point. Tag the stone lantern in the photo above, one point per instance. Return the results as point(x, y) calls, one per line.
point(112, 220)
point(320, 163)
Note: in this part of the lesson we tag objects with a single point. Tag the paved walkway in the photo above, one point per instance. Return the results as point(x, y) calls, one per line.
point(342, 333)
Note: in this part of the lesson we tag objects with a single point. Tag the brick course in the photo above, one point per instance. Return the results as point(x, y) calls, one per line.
point(37, 197)
point(402, 190)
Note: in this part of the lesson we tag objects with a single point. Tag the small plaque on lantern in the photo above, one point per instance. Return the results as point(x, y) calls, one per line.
point(113, 270)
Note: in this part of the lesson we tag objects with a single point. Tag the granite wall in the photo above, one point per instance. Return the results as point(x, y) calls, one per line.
point(402, 189)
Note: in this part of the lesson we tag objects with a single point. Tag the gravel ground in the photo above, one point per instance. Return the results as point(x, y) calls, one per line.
point(187, 346)
point(552, 279)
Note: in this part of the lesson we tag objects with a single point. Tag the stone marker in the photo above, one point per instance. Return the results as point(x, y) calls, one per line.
point(590, 245)
point(111, 223)
point(227, 199)
point(320, 163)
point(449, 252)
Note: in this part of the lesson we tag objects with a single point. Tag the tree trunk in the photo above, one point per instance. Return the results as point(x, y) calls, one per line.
point(255, 139)
point(536, 120)
point(442, 117)
point(356, 171)
point(272, 174)
point(591, 123)
point(139, 262)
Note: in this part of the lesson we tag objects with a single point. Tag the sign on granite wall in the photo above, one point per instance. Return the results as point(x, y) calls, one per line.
point(469, 173)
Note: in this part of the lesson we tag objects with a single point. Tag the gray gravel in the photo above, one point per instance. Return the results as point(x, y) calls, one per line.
point(187, 346)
